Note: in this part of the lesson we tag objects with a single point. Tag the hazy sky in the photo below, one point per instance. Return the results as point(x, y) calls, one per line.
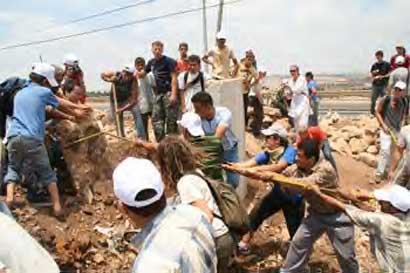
point(326, 36)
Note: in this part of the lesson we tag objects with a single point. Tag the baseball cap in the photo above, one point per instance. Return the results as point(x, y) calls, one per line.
point(129, 69)
point(134, 175)
point(275, 129)
point(71, 59)
point(47, 71)
point(220, 35)
point(396, 195)
point(400, 85)
point(400, 60)
point(192, 122)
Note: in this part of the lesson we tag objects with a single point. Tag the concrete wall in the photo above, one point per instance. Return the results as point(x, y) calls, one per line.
point(228, 93)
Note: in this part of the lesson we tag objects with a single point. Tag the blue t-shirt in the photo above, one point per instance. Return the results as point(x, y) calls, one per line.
point(312, 85)
point(29, 114)
point(289, 156)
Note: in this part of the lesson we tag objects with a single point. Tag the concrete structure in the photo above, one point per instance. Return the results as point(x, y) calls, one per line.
point(228, 93)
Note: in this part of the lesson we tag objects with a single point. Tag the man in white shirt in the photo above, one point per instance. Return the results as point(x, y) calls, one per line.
point(191, 82)
point(221, 56)
point(299, 107)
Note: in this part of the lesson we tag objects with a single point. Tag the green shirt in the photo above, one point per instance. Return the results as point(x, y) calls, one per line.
point(212, 146)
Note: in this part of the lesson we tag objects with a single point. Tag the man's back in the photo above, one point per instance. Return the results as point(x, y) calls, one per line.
point(178, 240)
point(398, 74)
point(212, 147)
point(29, 111)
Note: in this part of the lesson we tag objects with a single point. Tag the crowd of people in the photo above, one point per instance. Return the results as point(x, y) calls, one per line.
point(184, 199)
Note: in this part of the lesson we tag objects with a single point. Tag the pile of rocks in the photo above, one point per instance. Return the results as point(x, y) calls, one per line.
point(353, 136)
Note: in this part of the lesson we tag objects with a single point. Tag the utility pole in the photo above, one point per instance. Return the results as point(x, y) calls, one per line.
point(220, 13)
point(205, 31)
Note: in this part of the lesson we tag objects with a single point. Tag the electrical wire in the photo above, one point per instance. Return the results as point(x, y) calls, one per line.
point(65, 37)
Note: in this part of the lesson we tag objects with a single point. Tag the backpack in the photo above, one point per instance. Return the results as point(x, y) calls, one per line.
point(200, 78)
point(234, 215)
point(8, 90)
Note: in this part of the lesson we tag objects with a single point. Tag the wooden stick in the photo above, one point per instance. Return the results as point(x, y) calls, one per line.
point(119, 137)
point(83, 139)
point(117, 116)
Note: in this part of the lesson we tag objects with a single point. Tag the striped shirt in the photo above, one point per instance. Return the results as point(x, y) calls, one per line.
point(389, 238)
point(401, 175)
point(178, 240)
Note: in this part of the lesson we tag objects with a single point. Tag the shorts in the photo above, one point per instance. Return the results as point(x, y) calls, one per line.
point(28, 156)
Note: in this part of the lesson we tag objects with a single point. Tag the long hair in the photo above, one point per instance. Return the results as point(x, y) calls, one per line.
point(177, 157)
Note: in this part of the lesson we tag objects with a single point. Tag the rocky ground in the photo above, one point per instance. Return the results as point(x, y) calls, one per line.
point(94, 236)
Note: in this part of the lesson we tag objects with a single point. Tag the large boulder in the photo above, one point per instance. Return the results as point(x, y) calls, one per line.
point(352, 131)
point(341, 146)
point(368, 159)
point(357, 145)
point(372, 149)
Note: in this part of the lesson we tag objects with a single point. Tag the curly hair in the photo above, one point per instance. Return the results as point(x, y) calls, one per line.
point(177, 157)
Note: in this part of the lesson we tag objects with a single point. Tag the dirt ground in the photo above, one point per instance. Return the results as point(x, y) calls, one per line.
point(95, 236)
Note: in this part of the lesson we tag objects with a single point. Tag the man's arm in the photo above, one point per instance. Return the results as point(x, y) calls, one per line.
point(108, 76)
point(174, 88)
point(277, 168)
point(149, 146)
point(55, 114)
point(72, 109)
point(221, 130)
point(379, 110)
point(246, 164)
point(133, 99)
point(235, 67)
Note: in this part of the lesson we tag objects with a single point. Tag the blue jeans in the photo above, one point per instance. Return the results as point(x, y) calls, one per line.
point(232, 155)
point(138, 123)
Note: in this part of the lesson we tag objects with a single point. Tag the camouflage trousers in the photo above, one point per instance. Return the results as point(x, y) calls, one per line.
point(164, 116)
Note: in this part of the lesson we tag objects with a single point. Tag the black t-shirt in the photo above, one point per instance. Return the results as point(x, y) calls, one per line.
point(382, 68)
point(162, 70)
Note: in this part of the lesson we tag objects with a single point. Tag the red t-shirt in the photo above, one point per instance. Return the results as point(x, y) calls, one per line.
point(182, 66)
point(393, 61)
point(314, 133)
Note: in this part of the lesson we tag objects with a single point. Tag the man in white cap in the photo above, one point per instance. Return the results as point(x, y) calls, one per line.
point(173, 238)
point(391, 112)
point(276, 157)
point(74, 73)
point(401, 51)
point(389, 230)
point(221, 56)
point(401, 73)
point(27, 153)
point(126, 89)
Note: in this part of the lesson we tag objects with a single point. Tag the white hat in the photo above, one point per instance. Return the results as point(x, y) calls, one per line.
point(400, 60)
point(134, 175)
point(129, 68)
point(71, 59)
point(396, 195)
point(47, 71)
point(399, 44)
point(400, 85)
point(220, 35)
point(192, 122)
point(276, 129)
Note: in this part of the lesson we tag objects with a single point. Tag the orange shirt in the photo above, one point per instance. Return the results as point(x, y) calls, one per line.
point(182, 65)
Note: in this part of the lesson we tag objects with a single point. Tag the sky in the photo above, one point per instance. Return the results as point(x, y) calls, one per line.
point(324, 36)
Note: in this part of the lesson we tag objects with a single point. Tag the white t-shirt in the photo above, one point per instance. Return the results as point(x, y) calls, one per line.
point(191, 90)
point(191, 188)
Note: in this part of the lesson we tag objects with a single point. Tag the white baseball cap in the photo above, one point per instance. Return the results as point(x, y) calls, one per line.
point(400, 45)
point(129, 68)
point(70, 59)
point(134, 175)
point(47, 71)
point(400, 60)
point(400, 85)
point(220, 35)
point(396, 195)
point(192, 122)
point(276, 129)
